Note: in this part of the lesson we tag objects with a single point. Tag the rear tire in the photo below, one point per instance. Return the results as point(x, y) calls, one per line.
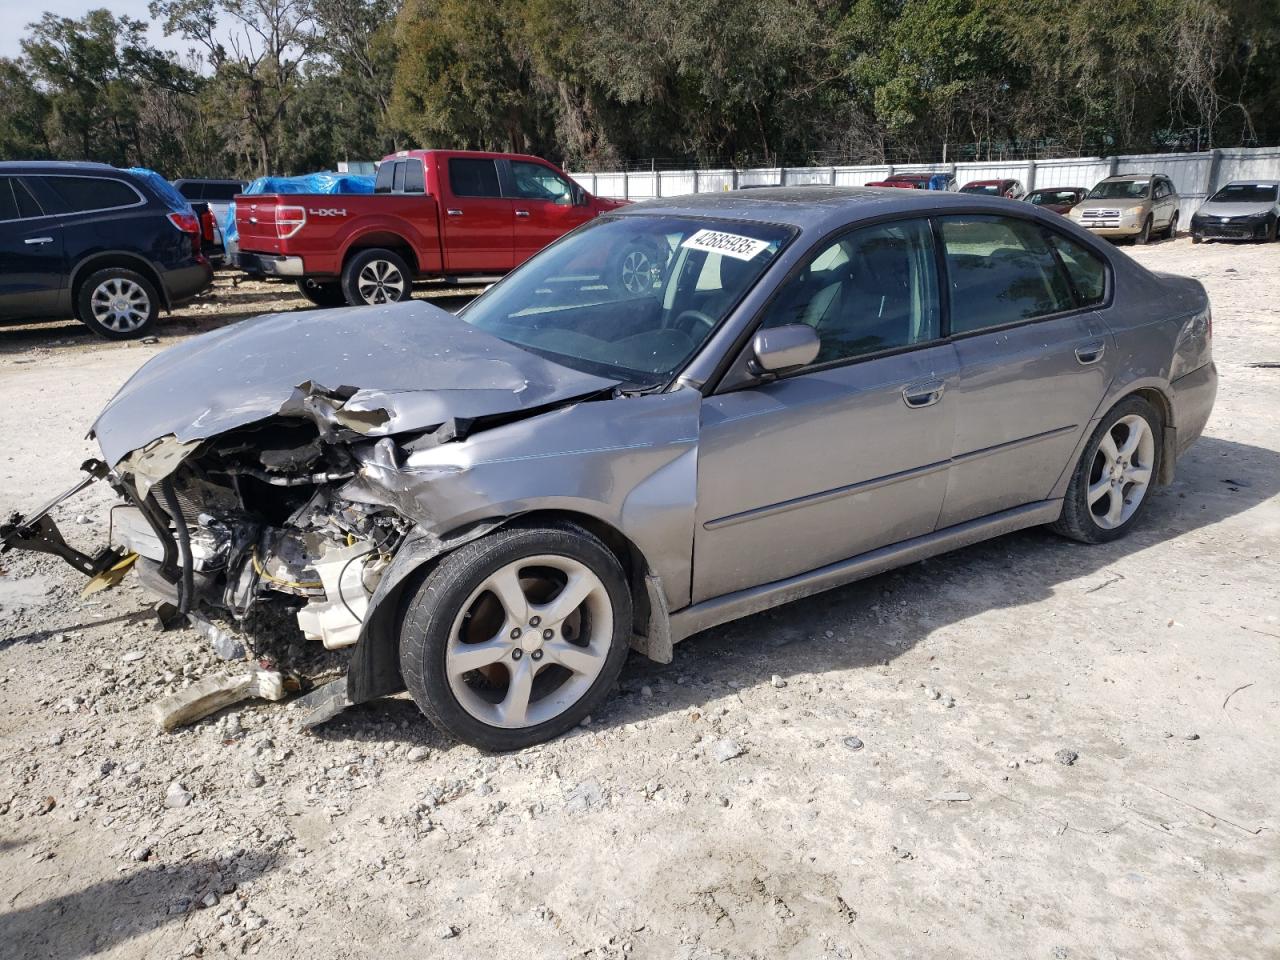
point(1117, 470)
point(376, 276)
point(488, 655)
point(326, 293)
point(118, 304)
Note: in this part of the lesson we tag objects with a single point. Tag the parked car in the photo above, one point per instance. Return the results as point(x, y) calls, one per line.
point(1132, 205)
point(918, 181)
point(818, 385)
point(216, 195)
point(1242, 210)
point(1058, 199)
point(1009, 189)
point(433, 213)
point(110, 247)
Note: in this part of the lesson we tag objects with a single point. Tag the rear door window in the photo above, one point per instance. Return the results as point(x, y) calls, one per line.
point(1087, 270)
point(83, 194)
point(1000, 271)
point(474, 178)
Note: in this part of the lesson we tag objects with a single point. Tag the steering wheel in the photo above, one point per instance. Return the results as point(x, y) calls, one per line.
point(687, 323)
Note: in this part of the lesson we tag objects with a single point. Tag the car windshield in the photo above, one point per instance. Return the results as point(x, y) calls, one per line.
point(629, 297)
point(1120, 190)
point(988, 188)
point(1041, 198)
point(1246, 193)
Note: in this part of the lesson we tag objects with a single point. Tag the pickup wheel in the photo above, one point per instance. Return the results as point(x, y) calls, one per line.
point(635, 270)
point(118, 304)
point(376, 276)
point(323, 293)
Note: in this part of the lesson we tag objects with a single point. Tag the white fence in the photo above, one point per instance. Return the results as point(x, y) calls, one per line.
point(1195, 175)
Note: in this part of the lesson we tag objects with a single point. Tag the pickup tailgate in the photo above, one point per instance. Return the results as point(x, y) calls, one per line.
point(265, 220)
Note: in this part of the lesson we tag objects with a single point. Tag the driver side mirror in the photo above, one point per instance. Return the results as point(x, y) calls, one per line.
point(579, 196)
point(776, 349)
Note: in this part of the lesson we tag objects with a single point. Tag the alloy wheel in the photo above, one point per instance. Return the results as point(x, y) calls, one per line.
point(380, 281)
point(120, 305)
point(637, 272)
point(530, 641)
point(1121, 472)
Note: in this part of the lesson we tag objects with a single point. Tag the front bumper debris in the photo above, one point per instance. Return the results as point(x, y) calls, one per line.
point(39, 532)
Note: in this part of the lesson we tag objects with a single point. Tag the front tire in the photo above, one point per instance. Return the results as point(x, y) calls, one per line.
point(1113, 480)
point(1172, 232)
point(374, 277)
point(515, 637)
point(1144, 235)
point(323, 293)
point(118, 304)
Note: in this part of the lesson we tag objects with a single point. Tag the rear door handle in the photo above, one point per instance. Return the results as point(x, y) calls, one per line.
point(1091, 352)
point(36, 241)
point(453, 212)
point(917, 395)
point(522, 213)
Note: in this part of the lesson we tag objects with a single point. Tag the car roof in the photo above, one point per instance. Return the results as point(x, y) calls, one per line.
point(987, 183)
point(817, 206)
point(207, 180)
point(18, 167)
point(1133, 176)
point(1251, 183)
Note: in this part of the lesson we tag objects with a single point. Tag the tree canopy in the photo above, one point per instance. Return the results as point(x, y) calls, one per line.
point(284, 86)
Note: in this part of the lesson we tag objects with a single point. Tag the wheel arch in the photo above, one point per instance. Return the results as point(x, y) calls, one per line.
point(116, 258)
point(383, 239)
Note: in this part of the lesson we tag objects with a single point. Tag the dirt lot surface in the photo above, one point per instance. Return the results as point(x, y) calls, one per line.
point(1028, 748)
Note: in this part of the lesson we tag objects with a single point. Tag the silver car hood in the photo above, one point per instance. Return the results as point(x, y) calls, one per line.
point(375, 371)
point(1230, 209)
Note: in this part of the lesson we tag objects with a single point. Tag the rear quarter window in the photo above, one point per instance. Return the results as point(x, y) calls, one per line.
point(83, 194)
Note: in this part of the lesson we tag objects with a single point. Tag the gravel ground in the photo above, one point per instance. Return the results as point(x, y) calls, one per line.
point(1028, 748)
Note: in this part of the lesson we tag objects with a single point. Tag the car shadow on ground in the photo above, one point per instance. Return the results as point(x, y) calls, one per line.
point(106, 914)
point(873, 621)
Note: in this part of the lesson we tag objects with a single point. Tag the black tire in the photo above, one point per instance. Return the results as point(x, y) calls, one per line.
point(429, 616)
point(1274, 233)
point(1077, 520)
point(323, 293)
point(1172, 232)
point(364, 282)
point(1195, 239)
point(105, 290)
point(628, 268)
point(1144, 237)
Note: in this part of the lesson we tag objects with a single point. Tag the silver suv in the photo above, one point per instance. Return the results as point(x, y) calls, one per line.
point(1134, 205)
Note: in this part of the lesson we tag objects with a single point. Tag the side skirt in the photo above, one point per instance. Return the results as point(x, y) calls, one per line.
point(709, 613)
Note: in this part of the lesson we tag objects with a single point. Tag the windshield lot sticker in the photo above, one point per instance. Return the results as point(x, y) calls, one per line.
point(729, 244)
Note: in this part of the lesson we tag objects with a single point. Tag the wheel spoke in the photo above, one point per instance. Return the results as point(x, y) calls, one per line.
point(576, 589)
point(1136, 430)
point(1108, 448)
point(1097, 490)
point(1115, 509)
point(575, 658)
point(1138, 475)
point(505, 585)
point(465, 657)
point(515, 705)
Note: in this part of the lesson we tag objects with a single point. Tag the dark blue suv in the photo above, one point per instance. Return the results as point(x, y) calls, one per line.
point(111, 247)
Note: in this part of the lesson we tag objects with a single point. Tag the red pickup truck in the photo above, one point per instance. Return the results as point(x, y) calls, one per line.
point(433, 213)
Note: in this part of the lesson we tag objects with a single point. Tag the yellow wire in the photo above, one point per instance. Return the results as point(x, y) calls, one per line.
point(284, 583)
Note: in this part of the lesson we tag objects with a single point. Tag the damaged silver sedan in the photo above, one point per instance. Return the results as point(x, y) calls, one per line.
point(800, 389)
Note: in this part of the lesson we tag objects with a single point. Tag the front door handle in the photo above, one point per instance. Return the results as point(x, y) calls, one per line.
point(36, 241)
point(1091, 352)
point(454, 212)
point(918, 395)
point(522, 213)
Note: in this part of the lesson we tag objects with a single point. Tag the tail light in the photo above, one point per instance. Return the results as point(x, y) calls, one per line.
point(206, 222)
point(186, 222)
point(289, 220)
